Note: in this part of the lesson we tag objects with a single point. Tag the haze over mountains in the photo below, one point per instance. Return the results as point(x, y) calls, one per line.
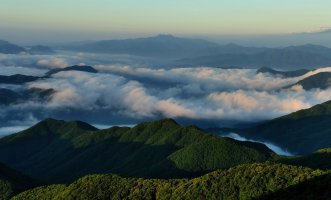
point(170, 51)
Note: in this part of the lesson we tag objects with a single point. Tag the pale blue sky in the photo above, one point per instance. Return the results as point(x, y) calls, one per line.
point(192, 17)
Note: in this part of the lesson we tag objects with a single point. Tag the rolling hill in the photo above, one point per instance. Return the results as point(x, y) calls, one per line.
point(301, 132)
point(254, 181)
point(59, 151)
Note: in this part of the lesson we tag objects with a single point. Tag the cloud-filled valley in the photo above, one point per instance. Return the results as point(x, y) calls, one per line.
point(125, 93)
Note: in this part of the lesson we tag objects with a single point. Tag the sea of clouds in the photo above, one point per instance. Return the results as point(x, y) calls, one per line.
point(124, 92)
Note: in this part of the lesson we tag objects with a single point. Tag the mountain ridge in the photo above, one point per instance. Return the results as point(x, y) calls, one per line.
point(56, 148)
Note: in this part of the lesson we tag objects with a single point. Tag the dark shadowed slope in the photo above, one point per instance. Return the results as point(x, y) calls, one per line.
point(301, 132)
point(58, 151)
point(254, 181)
point(12, 182)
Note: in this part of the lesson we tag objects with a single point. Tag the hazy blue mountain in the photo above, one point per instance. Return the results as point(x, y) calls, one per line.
point(310, 48)
point(8, 48)
point(42, 50)
point(321, 81)
point(301, 132)
point(83, 68)
point(285, 74)
point(197, 52)
point(276, 40)
point(58, 151)
point(286, 58)
point(158, 46)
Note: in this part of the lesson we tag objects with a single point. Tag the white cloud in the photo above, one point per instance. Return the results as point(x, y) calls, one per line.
point(145, 92)
point(275, 148)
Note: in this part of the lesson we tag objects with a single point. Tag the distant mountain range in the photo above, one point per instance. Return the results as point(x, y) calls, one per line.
point(159, 46)
point(187, 52)
point(196, 52)
point(306, 56)
point(301, 132)
point(9, 48)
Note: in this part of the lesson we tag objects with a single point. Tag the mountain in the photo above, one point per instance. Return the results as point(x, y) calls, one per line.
point(301, 132)
point(41, 50)
point(321, 81)
point(13, 182)
point(59, 151)
point(285, 74)
point(286, 58)
point(8, 48)
point(253, 181)
point(17, 79)
point(82, 68)
point(158, 46)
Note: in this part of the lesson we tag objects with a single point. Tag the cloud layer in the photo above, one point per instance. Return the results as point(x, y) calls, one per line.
point(123, 92)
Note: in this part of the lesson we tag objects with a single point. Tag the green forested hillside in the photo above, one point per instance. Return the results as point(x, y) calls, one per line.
point(321, 159)
point(12, 182)
point(251, 181)
point(59, 151)
point(301, 132)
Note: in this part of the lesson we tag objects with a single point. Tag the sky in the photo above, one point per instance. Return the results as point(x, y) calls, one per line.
point(93, 19)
